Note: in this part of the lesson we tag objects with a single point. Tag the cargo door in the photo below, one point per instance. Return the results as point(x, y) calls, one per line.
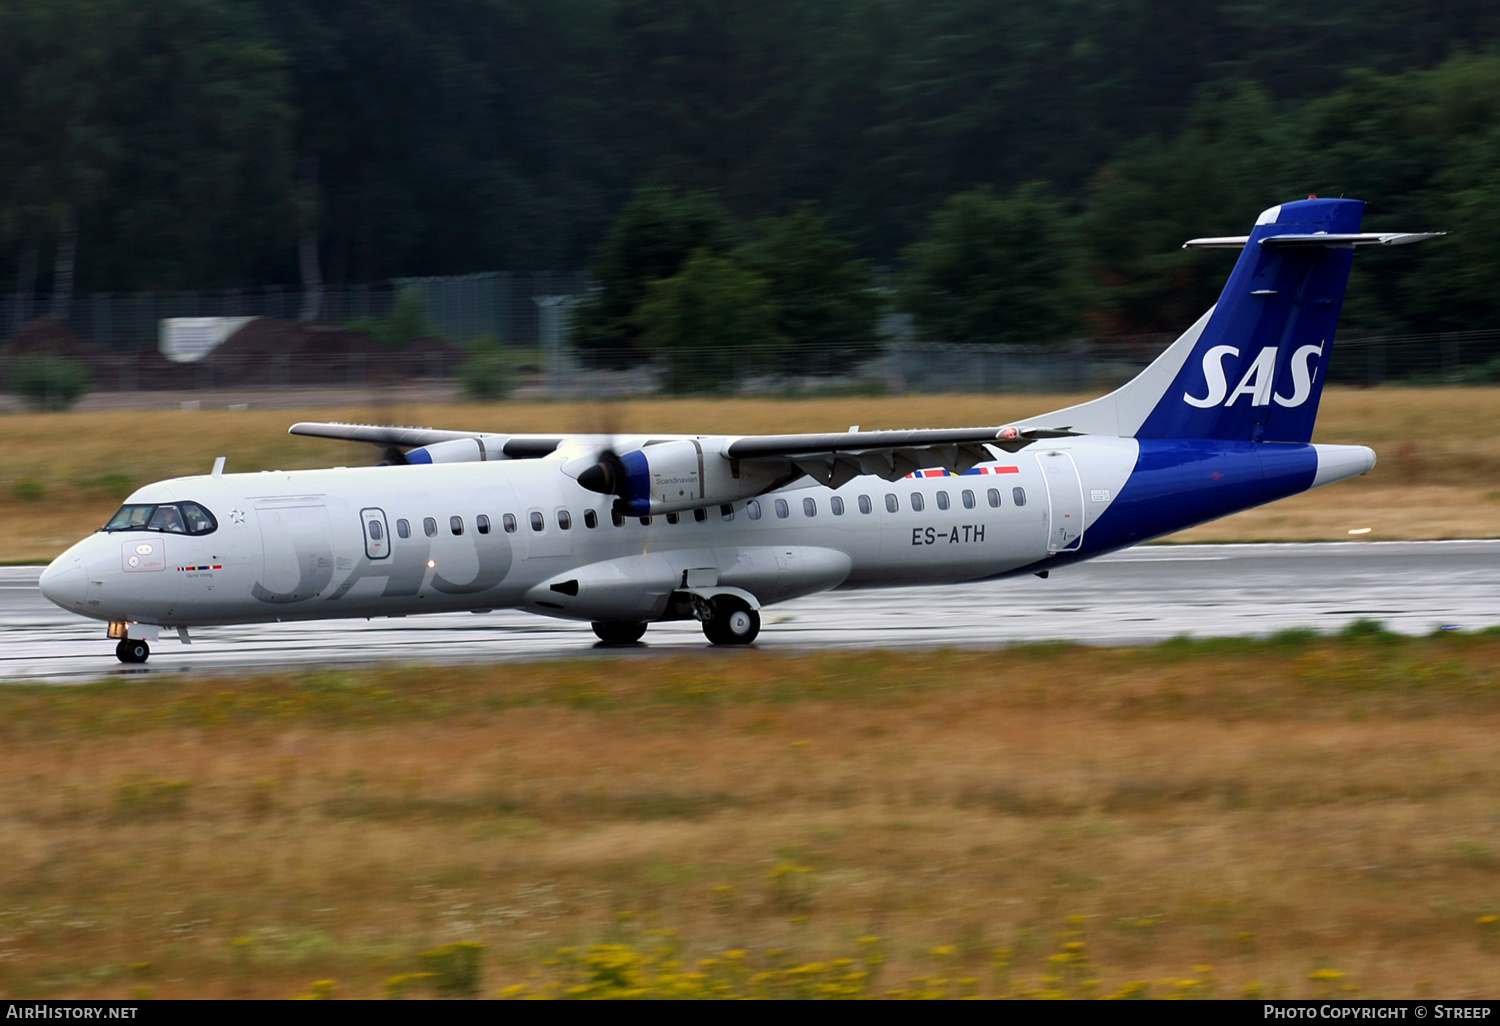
point(1064, 500)
point(297, 550)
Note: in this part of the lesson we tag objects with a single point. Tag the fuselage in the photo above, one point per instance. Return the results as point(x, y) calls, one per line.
point(395, 541)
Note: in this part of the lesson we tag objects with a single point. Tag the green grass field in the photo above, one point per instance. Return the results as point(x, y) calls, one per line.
point(1289, 818)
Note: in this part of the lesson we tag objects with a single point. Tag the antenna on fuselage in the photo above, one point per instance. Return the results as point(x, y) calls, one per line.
point(218, 470)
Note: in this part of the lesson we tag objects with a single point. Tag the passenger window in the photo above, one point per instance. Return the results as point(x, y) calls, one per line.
point(837, 505)
point(482, 524)
point(537, 523)
point(375, 531)
point(942, 498)
point(752, 509)
point(403, 529)
point(864, 504)
point(590, 519)
point(700, 514)
point(726, 511)
point(509, 522)
point(616, 518)
point(1018, 494)
point(916, 502)
point(782, 509)
point(429, 527)
point(456, 525)
point(809, 508)
point(994, 496)
point(564, 520)
point(891, 504)
point(672, 518)
point(968, 499)
point(645, 521)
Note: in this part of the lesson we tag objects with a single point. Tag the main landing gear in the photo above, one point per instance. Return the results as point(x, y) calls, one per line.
point(132, 650)
point(731, 621)
point(727, 620)
point(616, 632)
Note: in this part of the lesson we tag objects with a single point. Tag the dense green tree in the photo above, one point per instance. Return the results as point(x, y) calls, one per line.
point(711, 324)
point(199, 195)
point(651, 240)
point(56, 144)
point(148, 136)
point(826, 306)
point(996, 269)
point(179, 144)
point(1235, 157)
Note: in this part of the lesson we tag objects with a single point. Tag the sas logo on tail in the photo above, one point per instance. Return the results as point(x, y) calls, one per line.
point(1257, 382)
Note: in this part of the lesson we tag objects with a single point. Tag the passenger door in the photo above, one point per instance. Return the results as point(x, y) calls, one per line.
point(377, 533)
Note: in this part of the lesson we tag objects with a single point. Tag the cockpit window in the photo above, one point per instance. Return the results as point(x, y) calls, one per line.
point(166, 518)
point(130, 518)
point(169, 518)
point(198, 519)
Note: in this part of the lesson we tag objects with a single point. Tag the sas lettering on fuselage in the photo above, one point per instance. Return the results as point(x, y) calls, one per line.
point(959, 535)
point(1256, 382)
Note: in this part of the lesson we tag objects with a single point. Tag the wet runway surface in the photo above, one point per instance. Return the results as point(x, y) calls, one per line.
point(1138, 596)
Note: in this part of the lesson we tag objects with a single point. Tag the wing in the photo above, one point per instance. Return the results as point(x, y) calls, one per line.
point(655, 474)
point(835, 459)
point(435, 445)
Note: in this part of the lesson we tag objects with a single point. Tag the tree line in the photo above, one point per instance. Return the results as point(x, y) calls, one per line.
point(1024, 171)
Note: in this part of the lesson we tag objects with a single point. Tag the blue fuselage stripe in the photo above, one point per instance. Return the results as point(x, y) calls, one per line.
point(1178, 483)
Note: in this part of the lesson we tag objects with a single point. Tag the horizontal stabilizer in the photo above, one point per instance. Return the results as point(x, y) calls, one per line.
point(1316, 239)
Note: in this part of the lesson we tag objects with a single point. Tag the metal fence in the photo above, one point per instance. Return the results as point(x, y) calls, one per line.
point(500, 305)
point(532, 310)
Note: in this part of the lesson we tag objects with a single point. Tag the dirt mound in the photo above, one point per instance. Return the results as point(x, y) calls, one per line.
point(49, 336)
point(267, 351)
point(266, 337)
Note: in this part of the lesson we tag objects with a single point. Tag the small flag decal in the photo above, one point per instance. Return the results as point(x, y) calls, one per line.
point(966, 473)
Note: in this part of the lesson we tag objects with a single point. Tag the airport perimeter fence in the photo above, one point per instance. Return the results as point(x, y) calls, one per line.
point(529, 311)
point(500, 305)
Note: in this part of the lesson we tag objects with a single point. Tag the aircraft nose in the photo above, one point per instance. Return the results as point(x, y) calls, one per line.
point(64, 582)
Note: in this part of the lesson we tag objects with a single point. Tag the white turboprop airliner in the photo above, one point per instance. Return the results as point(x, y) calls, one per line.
point(624, 532)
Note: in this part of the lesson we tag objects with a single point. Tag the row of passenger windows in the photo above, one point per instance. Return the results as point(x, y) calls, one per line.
point(892, 503)
point(753, 510)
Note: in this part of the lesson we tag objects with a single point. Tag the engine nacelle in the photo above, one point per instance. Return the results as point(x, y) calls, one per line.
point(461, 450)
point(669, 477)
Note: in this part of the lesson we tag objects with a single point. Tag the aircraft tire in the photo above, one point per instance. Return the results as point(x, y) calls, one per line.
point(733, 622)
point(132, 650)
point(618, 632)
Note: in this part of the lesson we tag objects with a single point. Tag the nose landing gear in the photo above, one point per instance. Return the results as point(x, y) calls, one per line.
point(132, 650)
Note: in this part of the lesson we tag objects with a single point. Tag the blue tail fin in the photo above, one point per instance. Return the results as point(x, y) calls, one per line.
point(1252, 368)
point(1256, 372)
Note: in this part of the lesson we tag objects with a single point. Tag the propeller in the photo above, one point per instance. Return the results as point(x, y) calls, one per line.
point(607, 475)
point(601, 469)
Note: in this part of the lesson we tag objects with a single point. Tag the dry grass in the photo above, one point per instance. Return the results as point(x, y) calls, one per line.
point(65, 473)
point(1270, 809)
